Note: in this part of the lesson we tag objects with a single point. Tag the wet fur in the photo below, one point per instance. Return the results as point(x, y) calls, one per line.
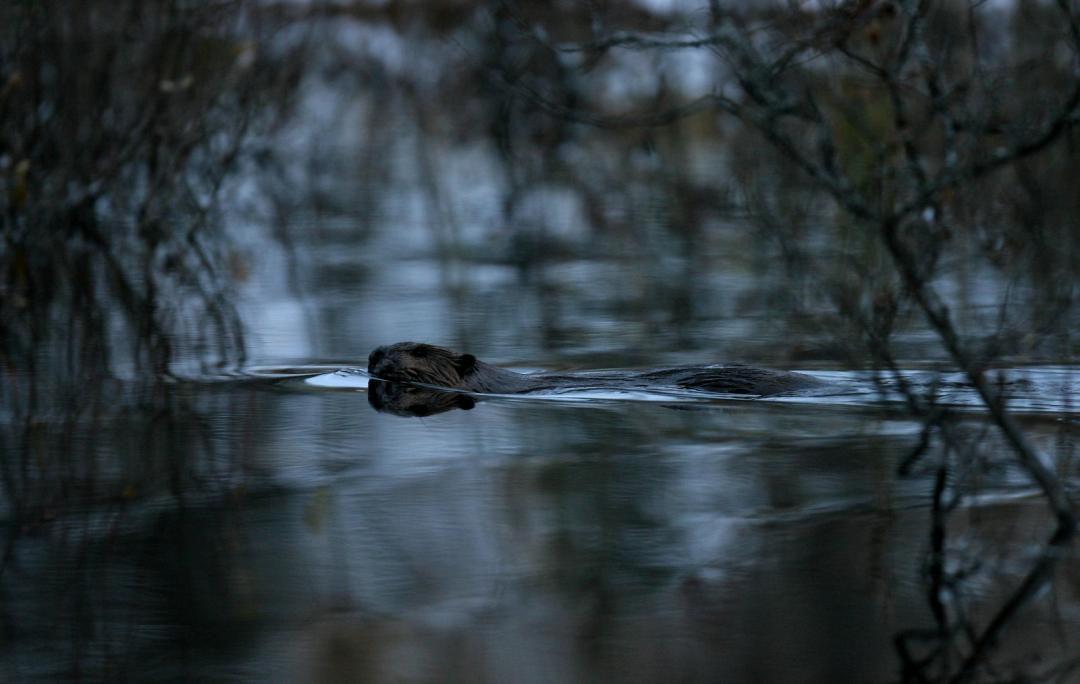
point(423, 364)
point(428, 365)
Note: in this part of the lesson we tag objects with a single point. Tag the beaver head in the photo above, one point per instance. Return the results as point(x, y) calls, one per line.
point(426, 364)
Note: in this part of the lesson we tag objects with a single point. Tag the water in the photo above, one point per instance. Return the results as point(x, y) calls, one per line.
point(1046, 389)
point(251, 517)
point(567, 538)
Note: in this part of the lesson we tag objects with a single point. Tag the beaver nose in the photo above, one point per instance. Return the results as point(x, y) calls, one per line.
point(374, 358)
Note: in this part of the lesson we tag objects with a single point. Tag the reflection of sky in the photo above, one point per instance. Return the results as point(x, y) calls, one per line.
point(583, 539)
point(420, 231)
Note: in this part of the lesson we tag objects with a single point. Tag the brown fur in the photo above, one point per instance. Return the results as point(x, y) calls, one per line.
point(416, 363)
point(425, 364)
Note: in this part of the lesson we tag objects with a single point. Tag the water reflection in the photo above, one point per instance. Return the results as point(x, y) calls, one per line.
point(621, 540)
point(186, 186)
point(418, 402)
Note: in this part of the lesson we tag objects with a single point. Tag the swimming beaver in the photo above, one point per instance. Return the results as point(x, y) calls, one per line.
point(416, 363)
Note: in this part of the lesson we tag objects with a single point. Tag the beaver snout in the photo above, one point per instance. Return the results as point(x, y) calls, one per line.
point(374, 358)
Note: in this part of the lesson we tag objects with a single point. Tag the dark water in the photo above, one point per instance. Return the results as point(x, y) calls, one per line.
point(577, 537)
point(253, 518)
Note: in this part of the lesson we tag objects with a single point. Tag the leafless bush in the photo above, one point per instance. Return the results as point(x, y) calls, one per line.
point(119, 125)
point(904, 140)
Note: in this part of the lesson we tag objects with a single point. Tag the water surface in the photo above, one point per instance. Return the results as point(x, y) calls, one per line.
point(178, 506)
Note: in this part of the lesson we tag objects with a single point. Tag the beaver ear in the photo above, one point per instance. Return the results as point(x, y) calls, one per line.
point(465, 364)
point(465, 402)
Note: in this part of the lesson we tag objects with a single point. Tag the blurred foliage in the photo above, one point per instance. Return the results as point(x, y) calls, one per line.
point(119, 124)
point(122, 125)
point(532, 136)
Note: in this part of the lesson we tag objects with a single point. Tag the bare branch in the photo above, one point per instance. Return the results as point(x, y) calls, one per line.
point(636, 41)
point(937, 315)
point(648, 120)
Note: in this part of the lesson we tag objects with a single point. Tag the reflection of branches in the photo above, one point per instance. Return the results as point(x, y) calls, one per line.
point(927, 147)
point(938, 316)
point(646, 120)
point(124, 162)
point(120, 127)
point(766, 117)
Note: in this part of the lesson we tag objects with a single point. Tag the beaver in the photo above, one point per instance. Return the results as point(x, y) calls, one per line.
point(429, 366)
